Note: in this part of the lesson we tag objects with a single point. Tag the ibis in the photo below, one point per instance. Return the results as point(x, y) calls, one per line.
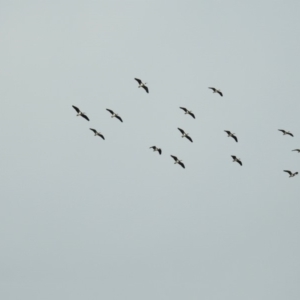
point(177, 161)
point(156, 149)
point(184, 134)
point(141, 84)
point(188, 112)
point(97, 133)
point(291, 174)
point(236, 159)
point(216, 91)
point(230, 134)
point(80, 113)
point(114, 115)
point(285, 132)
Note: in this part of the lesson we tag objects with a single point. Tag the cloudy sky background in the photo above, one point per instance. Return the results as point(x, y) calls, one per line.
point(85, 218)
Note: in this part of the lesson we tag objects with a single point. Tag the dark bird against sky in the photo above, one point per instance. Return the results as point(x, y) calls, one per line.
point(285, 132)
point(114, 115)
point(177, 161)
point(216, 91)
point(156, 149)
point(79, 113)
point(184, 134)
point(189, 112)
point(143, 85)
point(97, 133)
point(291, 174)
point(236, 159)
point(230, 134)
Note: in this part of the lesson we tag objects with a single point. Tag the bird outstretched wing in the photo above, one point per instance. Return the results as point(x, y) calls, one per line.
point(85, 116)
point(76, 108)
point(118, 117)
point(287, 171)
point(145, 88)
point(181, 130)
point(189, 138)
point(290, 134)
point(180, 163)
point(233, 156)
point(94, 130)
point(101, 136)
point(192, 115)
point(110, 111)
point(174, 157)
point(183, 108)
point(159, 151)
point(212, 88)
point(238, 161)
point(234, 137)
point(138, 80)
point(220, 93)
point(281, 130)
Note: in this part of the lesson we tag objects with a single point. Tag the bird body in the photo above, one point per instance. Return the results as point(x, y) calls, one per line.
point(291, 174)
point(114, 115)
point(188, 112)
point(285, 132)
point(236, 159)
point(97, 133)
point(80, 113)
point(177, 161)
point(141, 84)
point(156, 149)
point(230, 134)
point(184, 134)
point(216, 91)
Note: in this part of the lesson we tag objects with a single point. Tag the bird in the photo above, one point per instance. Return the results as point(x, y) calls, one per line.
point(177, 161)
point(298, 150)
point(291, 174)
point(143, 85)
point(236, 159)
point(97, 133)
point(114, 115)
point(184, 134)
point(189, 112)
point(79, 113)
point(216, 91)
point(156, 149)
point(230, 134)
point(285, 132)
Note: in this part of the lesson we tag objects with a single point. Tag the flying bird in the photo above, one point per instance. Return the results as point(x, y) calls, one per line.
point(298, 150)
point(177, 161)
point(236, 159)
point(184, 134)
point(189, 112)
point(97, 133)
point(114, 115)
point(156, 149)
point(216, 91)
point(143, 85)
point(291, 174)
point(285, 132)
point(230, 134)
point(79, 113)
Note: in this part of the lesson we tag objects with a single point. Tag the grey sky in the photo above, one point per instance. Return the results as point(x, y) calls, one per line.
point(83, 218)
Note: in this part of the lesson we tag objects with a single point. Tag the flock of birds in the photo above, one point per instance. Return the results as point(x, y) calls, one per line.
point(184, 134)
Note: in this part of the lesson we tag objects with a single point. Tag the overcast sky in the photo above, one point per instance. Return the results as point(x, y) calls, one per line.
point(84, 218)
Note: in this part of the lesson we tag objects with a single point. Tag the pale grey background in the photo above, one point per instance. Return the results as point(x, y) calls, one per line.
point(83, 218)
